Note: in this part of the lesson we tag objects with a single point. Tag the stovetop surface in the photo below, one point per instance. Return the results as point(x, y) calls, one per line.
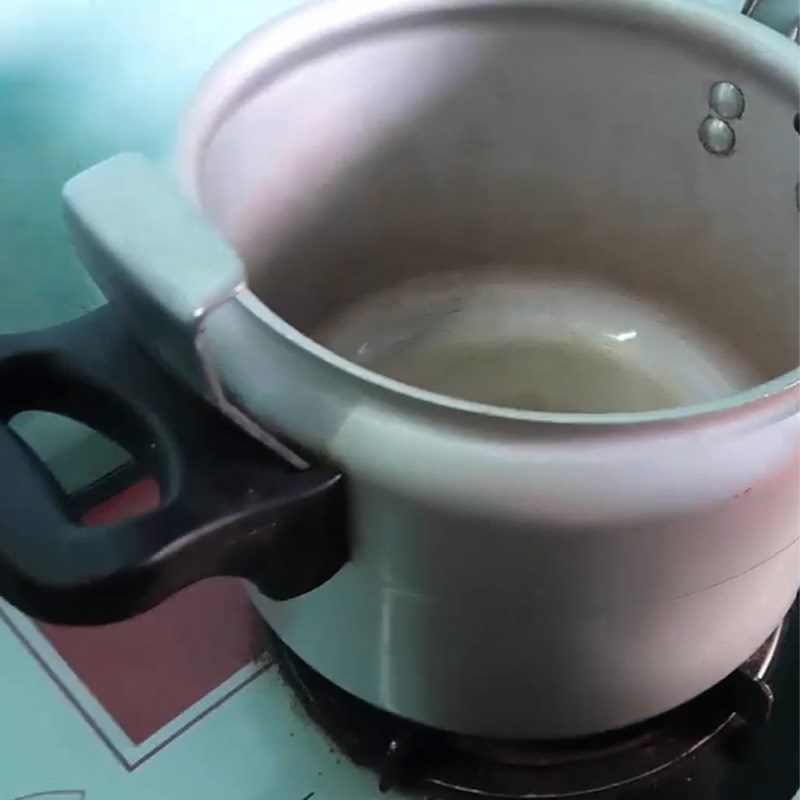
point(183, 702)
point(187, 701)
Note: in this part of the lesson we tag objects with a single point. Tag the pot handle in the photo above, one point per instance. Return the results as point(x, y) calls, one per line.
point(163, 267)
point(153, 254)
point(229, 506)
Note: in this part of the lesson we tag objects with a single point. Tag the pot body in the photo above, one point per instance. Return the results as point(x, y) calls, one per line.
point(512, 574)
point(540, 586)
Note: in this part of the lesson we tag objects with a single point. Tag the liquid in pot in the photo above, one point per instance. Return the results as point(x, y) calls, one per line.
point(543, 343)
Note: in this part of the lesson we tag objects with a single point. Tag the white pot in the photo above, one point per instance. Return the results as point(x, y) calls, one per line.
point(513, 572)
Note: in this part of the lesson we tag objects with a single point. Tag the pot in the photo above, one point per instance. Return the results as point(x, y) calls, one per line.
point(525, 271)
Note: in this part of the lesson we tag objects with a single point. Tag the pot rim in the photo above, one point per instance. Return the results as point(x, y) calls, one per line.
point(327, 24)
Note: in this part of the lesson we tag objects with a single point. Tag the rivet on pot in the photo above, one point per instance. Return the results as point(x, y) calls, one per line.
point(717, 136)
point(726, 100)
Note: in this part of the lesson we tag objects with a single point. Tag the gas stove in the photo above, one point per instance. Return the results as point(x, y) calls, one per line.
point(731, 742)
point(193, 700)
point(198, 699)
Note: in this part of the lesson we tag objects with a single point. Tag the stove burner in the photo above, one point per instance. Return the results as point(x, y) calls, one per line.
point(623, 764)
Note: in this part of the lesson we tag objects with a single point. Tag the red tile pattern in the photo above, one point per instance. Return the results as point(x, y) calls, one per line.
point(148, 670)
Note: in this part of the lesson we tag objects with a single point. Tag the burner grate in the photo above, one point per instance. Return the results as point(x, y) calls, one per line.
point(629, 763)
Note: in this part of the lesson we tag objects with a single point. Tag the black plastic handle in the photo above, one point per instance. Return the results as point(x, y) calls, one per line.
point(229, 506)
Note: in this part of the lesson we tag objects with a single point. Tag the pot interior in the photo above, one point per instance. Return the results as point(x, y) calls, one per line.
point(516, 208)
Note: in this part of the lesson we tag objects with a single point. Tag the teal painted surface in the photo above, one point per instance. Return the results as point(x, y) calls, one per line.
point(81, 80)
point(781, 15)
point(76, 455)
